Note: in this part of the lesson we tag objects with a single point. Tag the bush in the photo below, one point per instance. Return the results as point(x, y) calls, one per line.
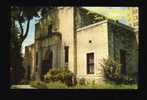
point(111, 70)
point(82, 81)
point(38, 84)
point(24, 81)
point(60, 74)
point(128, 80)
point(13, 87)
point(57, 85)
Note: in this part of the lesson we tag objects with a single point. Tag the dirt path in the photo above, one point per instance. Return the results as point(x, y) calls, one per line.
point(23, 87)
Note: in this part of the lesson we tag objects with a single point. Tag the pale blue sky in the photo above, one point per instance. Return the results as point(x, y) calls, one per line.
point(31, 34)
point(107, 11)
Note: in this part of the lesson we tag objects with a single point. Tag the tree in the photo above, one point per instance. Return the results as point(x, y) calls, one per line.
point(23, 14)
point(16, 69)
point(18, 35)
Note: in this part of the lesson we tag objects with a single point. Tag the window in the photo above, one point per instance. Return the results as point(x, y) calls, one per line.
point(49, 29)
point(66, 48)
point(90, 63)
point(123, 61)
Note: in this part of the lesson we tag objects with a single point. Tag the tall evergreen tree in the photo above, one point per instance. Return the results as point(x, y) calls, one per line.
point(16, 68)
point(18, 35)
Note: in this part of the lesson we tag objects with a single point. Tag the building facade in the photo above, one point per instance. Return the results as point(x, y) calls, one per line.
point(133, 19)
point(29, 62)
point(71, 37)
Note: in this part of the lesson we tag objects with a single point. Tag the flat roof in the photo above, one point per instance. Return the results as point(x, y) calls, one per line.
point(91, 25)
point(106, 21)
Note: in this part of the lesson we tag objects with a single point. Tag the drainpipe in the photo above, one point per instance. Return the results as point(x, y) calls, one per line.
point(75, 41)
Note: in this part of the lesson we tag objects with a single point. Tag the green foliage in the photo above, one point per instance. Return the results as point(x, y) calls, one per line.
point(82, 81)
point(61, 85)
point(111, 69)
point(20, 14)
point(16, 68)
point(38, 84)
point(56, 85)
point(112, 72)
point(50, 85)
point(106, 85)
point(60, 74)
point(13, 87)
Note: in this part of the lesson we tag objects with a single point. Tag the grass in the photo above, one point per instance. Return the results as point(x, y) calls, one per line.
point(13, 87)
point(105, 85)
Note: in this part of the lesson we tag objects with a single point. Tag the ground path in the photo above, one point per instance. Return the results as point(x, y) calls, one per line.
point(23, 87)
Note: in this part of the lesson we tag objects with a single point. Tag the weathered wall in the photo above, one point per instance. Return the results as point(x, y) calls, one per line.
point(29, 61)
point(66, 28)
point(53, 44)
point(98, 35)
point(51, 18)
point(121, 37)
point(106, 39)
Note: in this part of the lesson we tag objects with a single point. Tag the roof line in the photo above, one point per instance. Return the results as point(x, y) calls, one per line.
point(91, 25)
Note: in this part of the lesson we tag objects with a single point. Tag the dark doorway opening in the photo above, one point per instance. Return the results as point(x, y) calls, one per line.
point(47, 63)
point(123, 61)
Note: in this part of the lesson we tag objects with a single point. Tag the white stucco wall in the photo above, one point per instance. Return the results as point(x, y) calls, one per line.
point(98, 34)
point(66, 28)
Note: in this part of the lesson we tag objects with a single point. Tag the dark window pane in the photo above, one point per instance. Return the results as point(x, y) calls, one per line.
point(90, 63)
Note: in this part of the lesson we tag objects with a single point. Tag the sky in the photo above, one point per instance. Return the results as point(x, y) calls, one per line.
point(116, 13)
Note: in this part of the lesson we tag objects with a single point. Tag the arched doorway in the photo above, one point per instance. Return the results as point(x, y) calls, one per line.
point(47, 63)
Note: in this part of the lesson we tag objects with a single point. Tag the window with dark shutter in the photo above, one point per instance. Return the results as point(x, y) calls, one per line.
point(90, 63)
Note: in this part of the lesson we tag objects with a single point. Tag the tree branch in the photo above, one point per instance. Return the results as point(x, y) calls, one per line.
point(27, 30)
point(21, 28)
point(20, 23)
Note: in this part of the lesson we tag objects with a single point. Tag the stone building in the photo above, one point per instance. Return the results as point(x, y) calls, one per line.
point(29, 62)
point(79, 40)
point(133, 20)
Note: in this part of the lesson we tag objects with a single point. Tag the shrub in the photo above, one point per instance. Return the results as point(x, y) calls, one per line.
point(38, 84)
point(13, 87)
point(111, 70)
point(60, 74)
point(56, 85)
point(24, 81)
point(82, 81)
point(128, 80)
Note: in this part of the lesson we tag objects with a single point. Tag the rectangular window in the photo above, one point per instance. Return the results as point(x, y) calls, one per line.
point(66, 48)
point(90, 63)
point(123, 61)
